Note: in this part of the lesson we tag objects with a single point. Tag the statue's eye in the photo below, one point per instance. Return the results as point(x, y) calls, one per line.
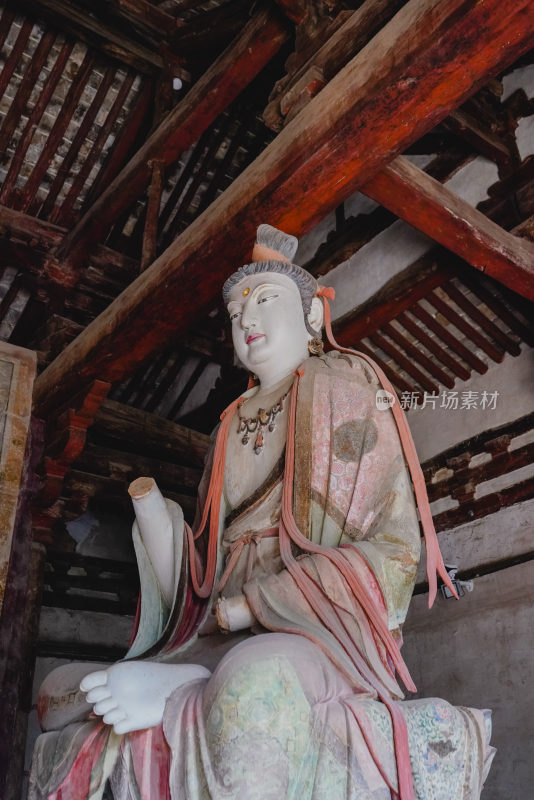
point(234, 315)
point(266, 297)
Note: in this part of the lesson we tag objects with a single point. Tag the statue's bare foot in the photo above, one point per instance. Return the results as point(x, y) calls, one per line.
point(131, 695)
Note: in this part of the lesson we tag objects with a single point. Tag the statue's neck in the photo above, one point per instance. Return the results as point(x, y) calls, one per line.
point(276, 384)
point(270, 378)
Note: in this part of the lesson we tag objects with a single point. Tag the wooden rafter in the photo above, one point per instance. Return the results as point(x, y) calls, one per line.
point(112, 41)
point(226, 78)
point(432, 208)
point(410, 77)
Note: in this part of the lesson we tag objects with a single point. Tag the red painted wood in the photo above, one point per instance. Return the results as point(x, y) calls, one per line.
point(62, 215)
point(432, 271)
point(15, 55)
point(145, 14)
point(18, 106)
point(123, 144)
point(81, 134)
point(481, 319)
point(228, 76)
point(37, 112)
point(167, 214)
point(400, 383)
point(6, 22)
point(449, 339)
point(200, 169)
point(56, 134)
point(465, 327)
point(221, 170)
point(404, 362)
point(433, 346)
point(413, 350)
point(498, 306)
point(431, 208)
point(426, 61)
point(44, 236)
point(150, 234)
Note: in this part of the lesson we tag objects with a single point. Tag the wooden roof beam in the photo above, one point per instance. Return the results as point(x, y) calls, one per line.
point(145, 14)
point(44, 236)
point(217, 88)
point(430, 207)
point(409, 77)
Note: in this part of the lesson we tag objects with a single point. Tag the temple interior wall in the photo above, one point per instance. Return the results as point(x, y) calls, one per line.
point(436, 429)
point(478, 652)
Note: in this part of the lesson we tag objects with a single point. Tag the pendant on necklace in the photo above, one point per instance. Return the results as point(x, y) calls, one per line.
point(264, 420)
point(258, 444)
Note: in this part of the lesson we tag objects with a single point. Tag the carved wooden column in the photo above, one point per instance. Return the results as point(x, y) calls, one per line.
point(19, 567)
point(17, 373)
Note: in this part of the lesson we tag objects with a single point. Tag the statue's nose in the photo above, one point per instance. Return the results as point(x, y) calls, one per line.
point(248, 318)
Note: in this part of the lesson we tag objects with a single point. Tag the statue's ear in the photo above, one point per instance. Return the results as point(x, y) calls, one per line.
point(316, 315)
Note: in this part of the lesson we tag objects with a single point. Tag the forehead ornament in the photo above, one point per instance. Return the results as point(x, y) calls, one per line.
point(246, 291)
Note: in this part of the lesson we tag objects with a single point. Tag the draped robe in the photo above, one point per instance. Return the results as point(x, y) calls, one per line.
point(298, 705)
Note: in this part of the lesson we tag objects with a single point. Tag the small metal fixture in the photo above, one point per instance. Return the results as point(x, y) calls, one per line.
point(461, 586)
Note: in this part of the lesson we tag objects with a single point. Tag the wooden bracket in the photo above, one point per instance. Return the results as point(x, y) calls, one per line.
point(66, 434)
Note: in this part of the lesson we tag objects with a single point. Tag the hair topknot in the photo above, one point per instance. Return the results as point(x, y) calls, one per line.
point(286, 245)
point(283, 243)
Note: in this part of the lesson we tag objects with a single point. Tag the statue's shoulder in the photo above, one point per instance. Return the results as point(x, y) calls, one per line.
point(349, 366)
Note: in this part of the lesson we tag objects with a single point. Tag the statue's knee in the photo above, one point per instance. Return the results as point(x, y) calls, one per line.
point(60, 699)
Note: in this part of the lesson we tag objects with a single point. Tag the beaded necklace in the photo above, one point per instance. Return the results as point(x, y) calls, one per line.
point(263, 421)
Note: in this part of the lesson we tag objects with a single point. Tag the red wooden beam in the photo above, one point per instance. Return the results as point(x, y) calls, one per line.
point(152, 212)
point(44, 236)
point(415, 352)
point(145, 14)
point(432, 208)
point(225, 79)
point(426, 61)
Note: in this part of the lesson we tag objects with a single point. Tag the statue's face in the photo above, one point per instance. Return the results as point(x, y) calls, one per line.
point(268, 329)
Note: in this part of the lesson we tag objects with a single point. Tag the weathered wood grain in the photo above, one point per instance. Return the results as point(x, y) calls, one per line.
point(222, 83)
point(424, 63)
point(432, 208)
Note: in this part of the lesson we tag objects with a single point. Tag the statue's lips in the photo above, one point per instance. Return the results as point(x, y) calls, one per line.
point(254, 337)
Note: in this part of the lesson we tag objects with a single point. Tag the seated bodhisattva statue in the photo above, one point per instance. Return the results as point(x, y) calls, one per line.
point(267, 653)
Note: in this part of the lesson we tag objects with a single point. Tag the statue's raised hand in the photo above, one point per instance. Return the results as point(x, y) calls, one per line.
point(131, 695)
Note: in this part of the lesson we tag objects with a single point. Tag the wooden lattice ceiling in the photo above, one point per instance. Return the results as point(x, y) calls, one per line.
point(84, 85)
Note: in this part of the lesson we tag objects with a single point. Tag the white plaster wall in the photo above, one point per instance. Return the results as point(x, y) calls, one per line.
point(521, 78)
point(391, 251)
point(437, 430)
point(508, 534)
point(477, 652)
